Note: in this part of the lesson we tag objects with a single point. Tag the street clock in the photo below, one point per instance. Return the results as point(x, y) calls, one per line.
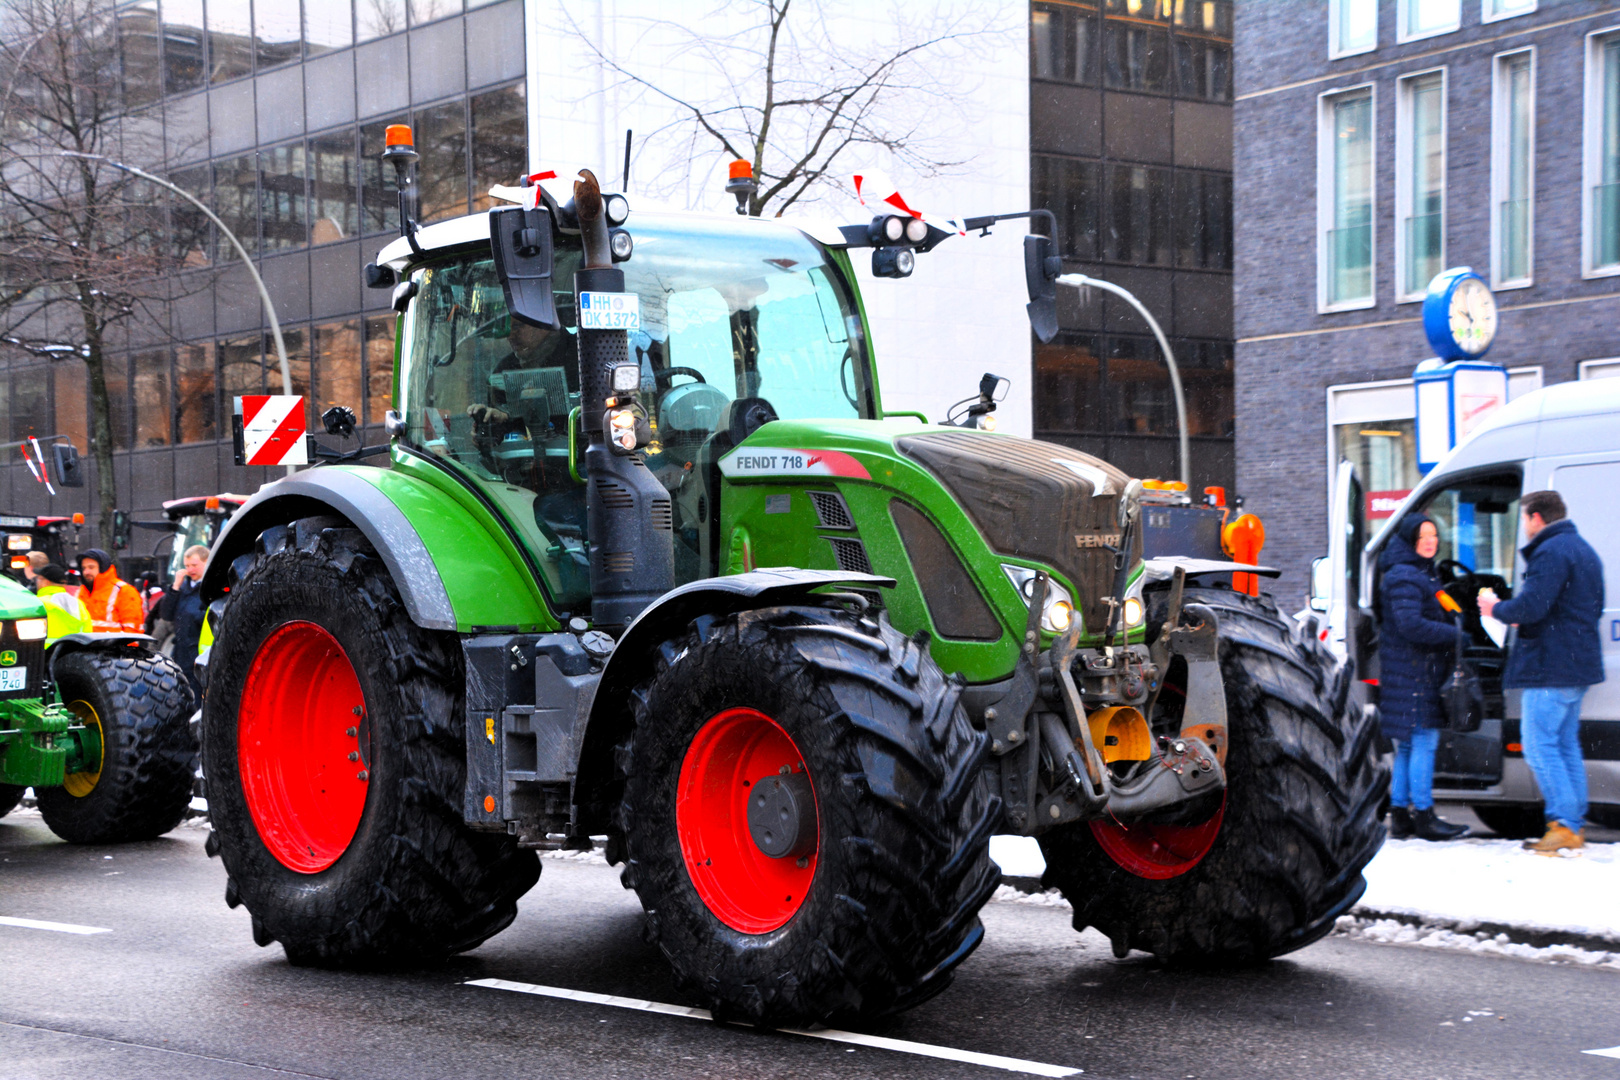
point(1459, 314)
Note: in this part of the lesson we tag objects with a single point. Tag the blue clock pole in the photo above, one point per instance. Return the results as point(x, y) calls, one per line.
point(1458, 389)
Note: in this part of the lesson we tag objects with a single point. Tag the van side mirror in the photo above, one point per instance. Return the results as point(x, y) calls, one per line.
point(1041, 268)
point(524, 255)
point(1321, 583)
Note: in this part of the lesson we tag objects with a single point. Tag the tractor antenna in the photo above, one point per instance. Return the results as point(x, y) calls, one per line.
point(627, 135)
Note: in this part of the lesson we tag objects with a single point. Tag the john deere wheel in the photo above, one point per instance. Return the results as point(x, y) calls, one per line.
point(10, 796)
point(1281, 857)
point(139, 704)
point(805, 817)
point(332, 735)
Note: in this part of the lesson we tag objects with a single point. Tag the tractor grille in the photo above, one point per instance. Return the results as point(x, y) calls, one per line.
point(1034, 500)
point(831, 510)
point(619, 562)
point(30, 657)
point(663, 515)
point(850, 553)
point(615, 496)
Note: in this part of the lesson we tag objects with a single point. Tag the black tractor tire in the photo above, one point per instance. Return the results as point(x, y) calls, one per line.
point(143, 704)
point(904, 816)
point(413, 885)
point(1304, 784)
point(1512, 821)
point(10, 796)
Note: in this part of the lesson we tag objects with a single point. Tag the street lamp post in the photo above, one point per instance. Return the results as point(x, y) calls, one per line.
point(1081, 281)
point(253, 271)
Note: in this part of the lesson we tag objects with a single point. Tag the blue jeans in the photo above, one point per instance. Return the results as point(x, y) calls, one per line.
point(1551, 733)
point(1413, 782)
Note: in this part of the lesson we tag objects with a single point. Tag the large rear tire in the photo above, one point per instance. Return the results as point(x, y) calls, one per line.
point(141, 703)
point(872, 913)
point(334, 753)
point(1281, 859)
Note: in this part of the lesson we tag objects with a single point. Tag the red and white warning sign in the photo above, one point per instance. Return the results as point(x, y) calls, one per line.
point(272, 428)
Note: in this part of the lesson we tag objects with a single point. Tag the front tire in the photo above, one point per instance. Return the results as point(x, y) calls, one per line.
point(874, 910)
point(1271, 870)
point(334, 753)
point(141, 786)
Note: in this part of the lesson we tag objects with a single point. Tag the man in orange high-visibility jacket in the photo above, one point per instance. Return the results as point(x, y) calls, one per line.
point(114, 605)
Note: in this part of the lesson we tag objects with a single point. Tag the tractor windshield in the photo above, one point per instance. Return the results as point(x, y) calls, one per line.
point(729, 310)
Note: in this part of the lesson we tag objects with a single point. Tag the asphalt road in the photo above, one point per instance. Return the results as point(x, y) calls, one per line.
point(178, 990)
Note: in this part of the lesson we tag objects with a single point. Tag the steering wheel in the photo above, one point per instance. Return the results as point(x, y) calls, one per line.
point(1451, 570)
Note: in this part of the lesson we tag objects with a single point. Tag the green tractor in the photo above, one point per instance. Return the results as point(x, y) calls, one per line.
point(564, 612)
point(96, 724)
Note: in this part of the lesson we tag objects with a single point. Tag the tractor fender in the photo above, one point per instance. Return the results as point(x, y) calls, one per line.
point(632, 659)
point(72, 643)
point(367, 508)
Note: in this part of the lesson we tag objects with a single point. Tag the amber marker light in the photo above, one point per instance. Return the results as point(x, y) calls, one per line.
point(399, 135)
point(212, 502)
point(740, 170)
point(78, 519)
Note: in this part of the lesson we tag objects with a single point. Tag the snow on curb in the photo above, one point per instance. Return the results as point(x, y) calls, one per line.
point(1400, 932)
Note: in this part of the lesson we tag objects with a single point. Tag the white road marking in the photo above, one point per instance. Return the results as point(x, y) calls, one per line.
point(993, 1061)
point(59, 927)
point(1613, 1051)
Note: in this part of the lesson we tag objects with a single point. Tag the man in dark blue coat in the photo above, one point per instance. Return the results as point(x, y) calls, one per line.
point(1554, 658)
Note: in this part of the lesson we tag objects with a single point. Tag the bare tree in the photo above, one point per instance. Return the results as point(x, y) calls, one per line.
point(84, 248)
point(797, 98)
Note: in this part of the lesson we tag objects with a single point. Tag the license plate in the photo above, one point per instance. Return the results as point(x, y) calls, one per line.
point(15, 678)
point(609, 311)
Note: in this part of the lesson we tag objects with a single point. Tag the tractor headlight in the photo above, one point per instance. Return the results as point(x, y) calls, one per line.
point(916, 230)
point(1057, 612)
point(30, 629)
point(617, 209)
point(1134, 611)
point(19, 542)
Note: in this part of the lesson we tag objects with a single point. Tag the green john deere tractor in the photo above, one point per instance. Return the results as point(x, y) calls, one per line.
point(96, 724)
point(563, 613)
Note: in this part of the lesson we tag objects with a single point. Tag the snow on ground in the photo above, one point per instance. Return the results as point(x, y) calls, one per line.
point(1466, 883)
point(1396, 932)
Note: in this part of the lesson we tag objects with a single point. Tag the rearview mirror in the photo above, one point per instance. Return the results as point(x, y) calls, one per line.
point(69, 473)
point(522, 243)
point(1321, 583)
point(1040, 275)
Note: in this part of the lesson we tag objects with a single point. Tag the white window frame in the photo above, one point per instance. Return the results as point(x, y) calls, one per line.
point(1486, 15)
point(1607, 367)
point(1403, 8)
point(1500, 159)
point(1592, 146)
point(1404, 177)
point(1324, 195)
point(1335, 49)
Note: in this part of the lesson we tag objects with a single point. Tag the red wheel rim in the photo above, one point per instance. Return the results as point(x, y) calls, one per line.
point(1159, 852)
point(299, 703)
point(742, 886)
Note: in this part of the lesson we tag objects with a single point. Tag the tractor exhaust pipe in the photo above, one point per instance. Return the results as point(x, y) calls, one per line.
point(627, 512)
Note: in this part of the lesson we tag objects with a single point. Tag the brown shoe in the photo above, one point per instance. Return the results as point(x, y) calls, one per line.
point(1559, 838)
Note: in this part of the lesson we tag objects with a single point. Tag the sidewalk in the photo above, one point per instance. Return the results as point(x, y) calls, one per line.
point(1482, 888)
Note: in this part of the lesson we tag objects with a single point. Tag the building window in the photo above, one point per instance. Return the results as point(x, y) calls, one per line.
point(1513, 156)
point(378, 18)
point(281, 198)
point(236, 201)
point(1069, 189)
point(328, 25)
point(500, 141)
point(1426, 18)
point(152, 405)
point(1491, 10)
point(183, 65)
point(1063, 43)
point(1352, 27)
point(1203, 216)
point(1136, 45)
point(278, 32)
point(379, 367)
point(339, 376)
point(1345, 200)
point(441, 133)
point(1138, 215)
point(1420, 182)
point(334, 188)
point(1602, 164)
point(196, 407)
point(230, 39)
point(1203, 47)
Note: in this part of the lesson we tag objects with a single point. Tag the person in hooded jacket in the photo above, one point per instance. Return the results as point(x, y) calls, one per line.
point(1416, 646)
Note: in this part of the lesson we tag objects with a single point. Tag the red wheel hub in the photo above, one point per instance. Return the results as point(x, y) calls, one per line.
point(299, 705)
point(740, 884)
point(1159, 852)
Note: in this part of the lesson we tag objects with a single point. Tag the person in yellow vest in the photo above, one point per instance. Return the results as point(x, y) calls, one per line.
point(64, 613)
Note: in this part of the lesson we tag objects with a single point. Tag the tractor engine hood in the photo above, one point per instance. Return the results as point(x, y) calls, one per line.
point(1035, 500)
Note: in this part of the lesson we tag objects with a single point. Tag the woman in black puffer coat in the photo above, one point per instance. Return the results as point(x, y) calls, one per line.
point(1416, 643)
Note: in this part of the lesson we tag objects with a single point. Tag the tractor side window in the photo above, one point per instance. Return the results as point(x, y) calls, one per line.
point(492, 395)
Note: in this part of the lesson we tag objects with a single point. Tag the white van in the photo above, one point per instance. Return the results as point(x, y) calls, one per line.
point(1566, 438)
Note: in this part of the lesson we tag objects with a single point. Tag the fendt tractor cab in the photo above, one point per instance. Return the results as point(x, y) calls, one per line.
point(563, 613)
